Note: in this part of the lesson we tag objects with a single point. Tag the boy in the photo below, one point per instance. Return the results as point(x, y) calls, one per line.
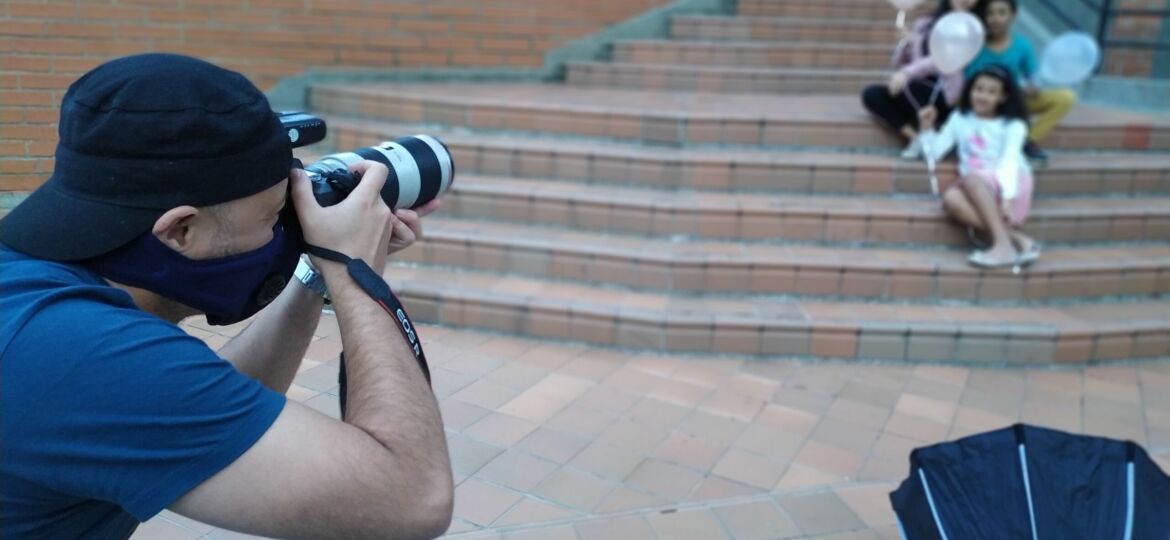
point(1015, 52)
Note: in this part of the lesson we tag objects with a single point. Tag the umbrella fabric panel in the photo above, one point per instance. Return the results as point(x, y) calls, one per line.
point(1151, 510)
point(977, 486)
point(913, 510)
point(1002, 483)
point(1079, 485)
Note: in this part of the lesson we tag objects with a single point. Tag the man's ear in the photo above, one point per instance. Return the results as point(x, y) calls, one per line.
point(174, 228)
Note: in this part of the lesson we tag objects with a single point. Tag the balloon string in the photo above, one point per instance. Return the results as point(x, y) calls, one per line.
point(928, 148)
point(934, 93)
point(931, 166)
point(910, 96)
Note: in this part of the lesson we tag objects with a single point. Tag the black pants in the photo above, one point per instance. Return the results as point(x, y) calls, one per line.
point(898, 111)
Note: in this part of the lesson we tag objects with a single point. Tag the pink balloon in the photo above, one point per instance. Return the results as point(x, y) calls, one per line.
point(955, 41)
point(905, 5)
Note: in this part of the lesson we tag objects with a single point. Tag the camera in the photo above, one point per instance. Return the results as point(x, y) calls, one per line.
point(420, 166)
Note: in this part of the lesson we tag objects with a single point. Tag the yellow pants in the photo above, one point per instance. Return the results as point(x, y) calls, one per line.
point(1047, 108)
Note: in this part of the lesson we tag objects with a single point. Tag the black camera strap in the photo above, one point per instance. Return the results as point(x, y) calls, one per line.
point(376, 287)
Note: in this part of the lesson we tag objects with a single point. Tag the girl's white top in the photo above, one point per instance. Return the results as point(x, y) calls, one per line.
point(992, 145)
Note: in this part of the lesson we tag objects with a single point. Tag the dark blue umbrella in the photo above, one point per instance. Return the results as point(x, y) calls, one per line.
point(1026, 482)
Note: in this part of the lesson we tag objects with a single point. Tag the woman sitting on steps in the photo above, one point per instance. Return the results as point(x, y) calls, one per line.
point(911, 86)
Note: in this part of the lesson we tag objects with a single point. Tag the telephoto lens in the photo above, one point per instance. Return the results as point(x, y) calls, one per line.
point(420, 166)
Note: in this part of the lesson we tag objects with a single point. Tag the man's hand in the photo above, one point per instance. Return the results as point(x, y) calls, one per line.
point(359, 226)
point(898, 82)
point(927, 118)
point(407, 226)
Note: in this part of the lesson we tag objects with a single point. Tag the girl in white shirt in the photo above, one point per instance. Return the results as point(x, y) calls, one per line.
point(994, 191)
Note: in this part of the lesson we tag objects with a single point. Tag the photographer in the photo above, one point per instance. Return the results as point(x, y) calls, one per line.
point(166, 201)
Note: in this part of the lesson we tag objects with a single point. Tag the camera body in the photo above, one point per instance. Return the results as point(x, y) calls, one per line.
point(421, 167)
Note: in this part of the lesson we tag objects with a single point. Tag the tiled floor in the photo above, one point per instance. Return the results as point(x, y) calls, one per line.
point(554, 440)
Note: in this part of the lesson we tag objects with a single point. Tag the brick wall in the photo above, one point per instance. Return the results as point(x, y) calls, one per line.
point(44, 46)
point(1134, 62)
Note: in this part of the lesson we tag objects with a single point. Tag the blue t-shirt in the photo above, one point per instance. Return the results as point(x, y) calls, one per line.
point(107, 414)
point(1019, 58)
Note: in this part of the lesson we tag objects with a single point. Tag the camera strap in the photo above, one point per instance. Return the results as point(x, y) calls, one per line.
point(376, 287)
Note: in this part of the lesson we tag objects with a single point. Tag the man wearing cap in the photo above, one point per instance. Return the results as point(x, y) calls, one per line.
point(172, 196)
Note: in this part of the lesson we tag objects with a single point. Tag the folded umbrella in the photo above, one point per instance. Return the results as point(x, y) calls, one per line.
point(1026, 482)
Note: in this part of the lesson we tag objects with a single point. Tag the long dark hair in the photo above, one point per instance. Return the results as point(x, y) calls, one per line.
point(945, 7)
point(1012, 107)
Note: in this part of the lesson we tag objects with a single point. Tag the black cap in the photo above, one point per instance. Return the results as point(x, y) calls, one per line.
point(141, 135)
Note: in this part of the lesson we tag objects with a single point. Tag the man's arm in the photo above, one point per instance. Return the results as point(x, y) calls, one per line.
point(384, 472)
point(270, 349)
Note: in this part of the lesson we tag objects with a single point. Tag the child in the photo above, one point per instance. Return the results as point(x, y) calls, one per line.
point(994, 191)
point(910, 88)
point(1015, 52)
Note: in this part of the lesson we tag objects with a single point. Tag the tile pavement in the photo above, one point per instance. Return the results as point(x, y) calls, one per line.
point(556, 440)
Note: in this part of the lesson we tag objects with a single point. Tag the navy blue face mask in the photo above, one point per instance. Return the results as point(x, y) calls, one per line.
point(228, 289)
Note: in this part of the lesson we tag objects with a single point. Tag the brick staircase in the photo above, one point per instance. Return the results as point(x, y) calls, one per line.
point(722, 191)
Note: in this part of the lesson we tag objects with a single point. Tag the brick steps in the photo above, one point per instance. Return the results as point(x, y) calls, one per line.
point(789, 29)
point(685, 118)
point(750, 171)
point(771, 327)
point(692, 196)
point(880, 12)
point(686, 78)
point(754, 53)
point(789, 218)
point(741, 269)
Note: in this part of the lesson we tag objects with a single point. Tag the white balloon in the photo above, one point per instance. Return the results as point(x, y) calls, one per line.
point(955, 41)
point(1069, 59)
